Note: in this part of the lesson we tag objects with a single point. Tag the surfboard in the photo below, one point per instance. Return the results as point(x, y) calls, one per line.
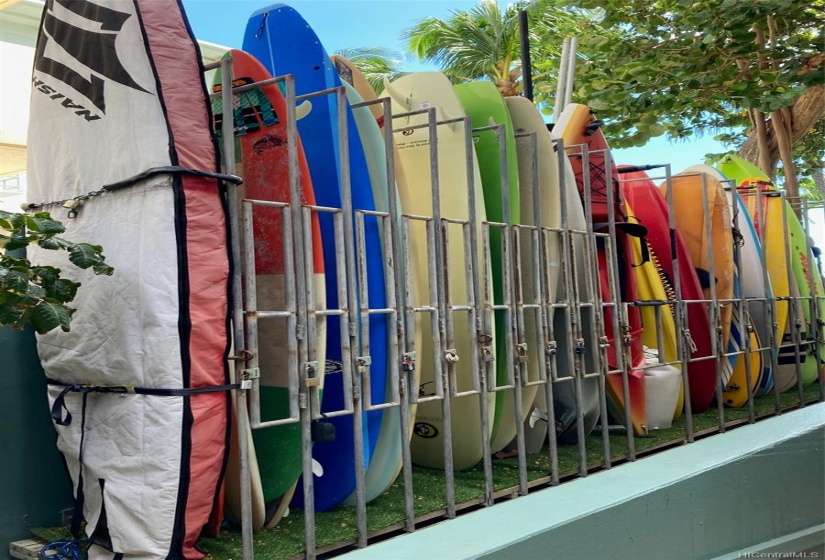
point(819, 294)
point(738, 169)
point(755, 285)
point(735, 391)
point(753, 288)
point(706, 247)
point(485, 106)
point(411, 93)
point(795, 354)
point(259, 121)
point(527, 120)
point(775, 257)
point(768, 222)
point(659, 333)
point(352, 75)
point(577, 125)
point(734, 377)
point(566, 411)
point(146, 450)
point(650, 206)
point(286, 44)
point(565, 408)
point(808, 289)
point(385, 464)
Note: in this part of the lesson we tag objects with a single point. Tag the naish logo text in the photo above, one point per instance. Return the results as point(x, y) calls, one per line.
point(66, 102)
point(84, 49)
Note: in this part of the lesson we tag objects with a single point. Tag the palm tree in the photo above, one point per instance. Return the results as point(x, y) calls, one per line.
point(484, 41)
point(375, 63)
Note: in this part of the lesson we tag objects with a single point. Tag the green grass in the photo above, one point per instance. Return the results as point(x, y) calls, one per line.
point(339, 527)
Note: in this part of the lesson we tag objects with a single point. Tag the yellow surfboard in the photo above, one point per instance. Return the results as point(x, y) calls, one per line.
point(768, 221)
point(651, 288)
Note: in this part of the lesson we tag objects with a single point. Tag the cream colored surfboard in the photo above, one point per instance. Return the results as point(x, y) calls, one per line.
point(526, 119)
point(411, 93)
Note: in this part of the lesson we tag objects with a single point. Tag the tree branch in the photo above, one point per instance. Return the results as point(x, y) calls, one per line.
point(806, 110)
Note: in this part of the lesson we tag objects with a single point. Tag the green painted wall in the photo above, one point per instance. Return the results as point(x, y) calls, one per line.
point(719, 511)
point(719, 495)
point(35, 485)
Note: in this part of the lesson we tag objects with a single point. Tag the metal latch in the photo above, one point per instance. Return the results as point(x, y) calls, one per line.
point(73, 205)
point(362, 362)
point(408, 361)
point(311, 369)
point(521, 352)
point(248, 375)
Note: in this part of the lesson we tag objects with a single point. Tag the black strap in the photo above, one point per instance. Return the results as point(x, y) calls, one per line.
point(172, 170)
point(704, 277)
point(630, 228)
point(63, 417)
point(80, 497)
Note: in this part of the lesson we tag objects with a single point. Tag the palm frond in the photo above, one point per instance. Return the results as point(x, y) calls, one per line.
point(484, 41)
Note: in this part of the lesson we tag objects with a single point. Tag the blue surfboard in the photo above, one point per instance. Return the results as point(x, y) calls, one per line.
point(283, 41)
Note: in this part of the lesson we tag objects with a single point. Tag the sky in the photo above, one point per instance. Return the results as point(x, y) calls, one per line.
point(348, 24)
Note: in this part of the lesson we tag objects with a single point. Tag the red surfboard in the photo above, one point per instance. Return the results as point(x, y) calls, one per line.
point(259, 122)
point(651, 210)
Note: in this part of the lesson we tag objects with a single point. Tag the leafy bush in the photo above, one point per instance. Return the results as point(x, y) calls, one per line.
point(37, 295)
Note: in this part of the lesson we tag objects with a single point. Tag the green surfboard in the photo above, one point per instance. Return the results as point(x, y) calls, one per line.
point(485, 106)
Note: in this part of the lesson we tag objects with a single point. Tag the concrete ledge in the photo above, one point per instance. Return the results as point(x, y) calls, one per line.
point(717, 496)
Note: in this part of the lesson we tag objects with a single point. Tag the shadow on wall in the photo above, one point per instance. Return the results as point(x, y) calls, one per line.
point(34, 482)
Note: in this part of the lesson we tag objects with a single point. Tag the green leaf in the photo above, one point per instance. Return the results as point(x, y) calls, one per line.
point(656, 130)
point(46, 316)
point(649, 118)
point(599, 105)
point(103, 269)
point(36, 291)
point(84, 255)
point(16, 280)
point(599, 85)
point(44, 225)
point(46, 274)
point(20, 300)
point(54, 243)
point(18, 221)
point(63, 290)
point(18, 241)
point(11, 316)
